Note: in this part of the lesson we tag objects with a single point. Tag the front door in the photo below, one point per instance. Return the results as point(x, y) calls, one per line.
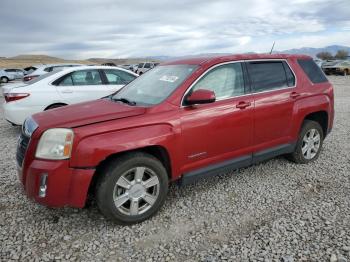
point(219, 131)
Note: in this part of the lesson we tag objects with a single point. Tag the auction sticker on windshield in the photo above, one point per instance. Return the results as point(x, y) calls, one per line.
point(171, 79)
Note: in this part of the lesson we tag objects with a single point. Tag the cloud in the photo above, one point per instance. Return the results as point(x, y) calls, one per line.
point(114, 28)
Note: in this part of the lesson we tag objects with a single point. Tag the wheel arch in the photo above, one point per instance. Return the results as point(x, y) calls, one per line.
point(55, 104)
point(157, 151)
point(320, 117)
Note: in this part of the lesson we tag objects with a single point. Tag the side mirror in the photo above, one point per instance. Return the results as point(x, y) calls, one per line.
point(200, 96)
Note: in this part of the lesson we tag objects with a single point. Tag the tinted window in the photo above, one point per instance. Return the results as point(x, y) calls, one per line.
point(147, 65)
point(118, 77)
point(289, 74)
point(225, 80)
point(48, 69)
point(267, 75)
point(86, 77)
point(313, 72)
point(140, 65)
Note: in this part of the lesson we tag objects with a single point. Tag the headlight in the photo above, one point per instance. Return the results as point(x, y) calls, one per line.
point(55, 143)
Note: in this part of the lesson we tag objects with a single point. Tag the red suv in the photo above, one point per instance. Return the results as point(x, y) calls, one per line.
point(183, 120)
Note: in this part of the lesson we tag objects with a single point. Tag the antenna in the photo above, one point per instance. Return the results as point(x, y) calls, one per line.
point(273, 45)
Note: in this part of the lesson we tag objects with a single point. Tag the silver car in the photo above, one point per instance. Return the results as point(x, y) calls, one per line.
point(5, 77)
point(16, 73)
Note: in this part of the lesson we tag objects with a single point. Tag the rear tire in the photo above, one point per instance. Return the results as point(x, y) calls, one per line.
point(4, 79)
point(131, 188)
point(309, 143)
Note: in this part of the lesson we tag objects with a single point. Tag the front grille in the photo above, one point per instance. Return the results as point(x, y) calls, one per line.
point(22, 146)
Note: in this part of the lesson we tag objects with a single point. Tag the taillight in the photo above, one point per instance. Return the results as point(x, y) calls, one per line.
point(28, 78)
point(9, 97)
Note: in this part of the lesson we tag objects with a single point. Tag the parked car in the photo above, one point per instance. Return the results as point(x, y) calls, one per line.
point(109, 64)
point(337, 68)
point(5, 77)
point(44, 69)
point(182, 121)
point(144, 67)
point(65, 87)
point(134, 68)
point(15, 72)
point(30, 69)
point(318, 62)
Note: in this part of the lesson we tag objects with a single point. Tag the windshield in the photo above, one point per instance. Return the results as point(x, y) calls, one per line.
point(156, 85)
point(39, 78)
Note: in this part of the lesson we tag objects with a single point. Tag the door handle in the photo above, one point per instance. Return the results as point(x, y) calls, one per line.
point(242, 105)
point(67, 91)
point(294, 95)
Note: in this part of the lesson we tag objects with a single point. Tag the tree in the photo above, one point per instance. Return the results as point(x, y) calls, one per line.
point(324, 55)
point(342, 54)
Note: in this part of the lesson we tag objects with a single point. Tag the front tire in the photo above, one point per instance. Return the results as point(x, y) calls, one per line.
point(131, 188)
point(309, 143)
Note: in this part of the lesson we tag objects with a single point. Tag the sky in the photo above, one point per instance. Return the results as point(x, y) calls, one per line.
point(81, 29)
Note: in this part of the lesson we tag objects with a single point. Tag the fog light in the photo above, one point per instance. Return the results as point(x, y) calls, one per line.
point(43, 186)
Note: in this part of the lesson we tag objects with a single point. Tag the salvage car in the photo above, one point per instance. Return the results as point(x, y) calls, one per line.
point(61, 88)
point(182, 121)
point(337, 68)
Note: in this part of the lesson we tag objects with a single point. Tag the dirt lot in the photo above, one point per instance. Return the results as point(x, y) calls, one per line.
point(274, 211)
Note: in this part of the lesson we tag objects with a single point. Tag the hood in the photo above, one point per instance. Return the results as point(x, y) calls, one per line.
point(7, 88)
point(86, 113)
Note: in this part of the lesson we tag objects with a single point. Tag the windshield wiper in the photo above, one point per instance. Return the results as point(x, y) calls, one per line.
point(124, 100)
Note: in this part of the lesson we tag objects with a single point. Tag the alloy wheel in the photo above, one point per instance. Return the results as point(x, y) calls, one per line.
point(136, 191)
point(311, 144)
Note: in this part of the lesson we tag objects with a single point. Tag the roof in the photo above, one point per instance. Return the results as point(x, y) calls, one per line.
point(221, 58)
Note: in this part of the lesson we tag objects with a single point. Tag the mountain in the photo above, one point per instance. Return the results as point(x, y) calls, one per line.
point(311, 51)
point(36, 57)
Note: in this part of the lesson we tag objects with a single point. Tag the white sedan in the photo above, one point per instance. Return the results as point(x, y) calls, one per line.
point(60, 88)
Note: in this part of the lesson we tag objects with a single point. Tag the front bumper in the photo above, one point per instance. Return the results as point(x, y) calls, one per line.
point(65, 186)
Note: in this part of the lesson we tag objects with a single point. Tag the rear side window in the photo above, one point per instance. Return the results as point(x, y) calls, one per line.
point(118, 77)
point(313, 72)
point(270, 75)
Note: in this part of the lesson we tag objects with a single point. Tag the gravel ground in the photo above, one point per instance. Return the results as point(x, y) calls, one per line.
point(274, 211)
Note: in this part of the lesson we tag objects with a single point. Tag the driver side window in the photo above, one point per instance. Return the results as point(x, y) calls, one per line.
point(225, 80)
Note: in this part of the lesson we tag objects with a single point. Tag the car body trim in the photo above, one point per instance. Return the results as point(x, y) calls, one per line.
point(236, 163)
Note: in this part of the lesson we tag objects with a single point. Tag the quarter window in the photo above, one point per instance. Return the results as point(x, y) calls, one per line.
point(312, 70)
point(225, 80)
point(269, 75)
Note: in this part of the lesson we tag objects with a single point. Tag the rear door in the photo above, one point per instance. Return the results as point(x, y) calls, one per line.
point(274, 86)
point(81, 85)
point(116, 79)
